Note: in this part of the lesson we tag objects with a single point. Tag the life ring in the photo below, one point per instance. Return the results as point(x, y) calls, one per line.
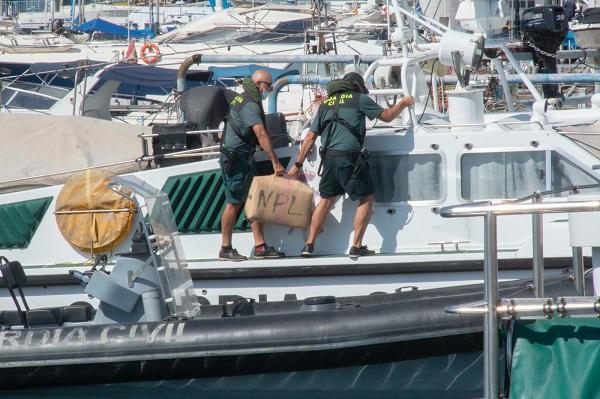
point(150, 53)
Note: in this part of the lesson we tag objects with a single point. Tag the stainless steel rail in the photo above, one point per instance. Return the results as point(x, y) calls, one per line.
point(535, 308)
point(490, 308)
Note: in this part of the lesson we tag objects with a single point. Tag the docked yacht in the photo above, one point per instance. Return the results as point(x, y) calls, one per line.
point(34, 44)
point(149, 319)
point(269, 29)
point(586, 26)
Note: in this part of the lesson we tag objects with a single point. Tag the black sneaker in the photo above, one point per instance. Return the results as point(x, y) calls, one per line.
point(307, 250)
point(264, 252)
point(231, 254)
point(355, 252)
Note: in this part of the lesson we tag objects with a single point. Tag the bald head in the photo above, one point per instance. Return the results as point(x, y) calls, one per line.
point(263, 81)
point(262, 76)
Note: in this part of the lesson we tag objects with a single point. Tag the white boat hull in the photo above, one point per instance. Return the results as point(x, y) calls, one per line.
point(587, 36)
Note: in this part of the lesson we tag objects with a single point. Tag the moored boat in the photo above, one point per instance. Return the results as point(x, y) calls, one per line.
point(149, 325)
point(23, 44)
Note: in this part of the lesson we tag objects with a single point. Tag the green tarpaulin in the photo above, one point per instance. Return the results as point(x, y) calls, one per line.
point(558, 358)
point(20, 220)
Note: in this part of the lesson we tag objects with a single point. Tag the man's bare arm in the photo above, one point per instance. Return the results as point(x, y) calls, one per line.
point(307, 145)
point(391, 113)
point(265, 143)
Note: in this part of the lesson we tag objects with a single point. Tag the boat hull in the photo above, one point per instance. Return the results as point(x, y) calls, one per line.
point(250, 338)
point(449, 376)
point(587, 36)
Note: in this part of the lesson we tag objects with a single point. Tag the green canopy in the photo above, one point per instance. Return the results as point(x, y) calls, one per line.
point(558, 358)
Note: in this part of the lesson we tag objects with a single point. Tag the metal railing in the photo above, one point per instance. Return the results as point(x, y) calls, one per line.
point(14, 8)
point(493, 307)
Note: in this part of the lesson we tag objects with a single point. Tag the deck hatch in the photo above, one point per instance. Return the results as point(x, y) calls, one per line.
point(198, 199)
point(20, 220)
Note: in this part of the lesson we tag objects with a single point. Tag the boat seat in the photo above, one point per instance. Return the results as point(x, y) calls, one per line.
point(47, 316)
point(15, 278)
point(9, 318)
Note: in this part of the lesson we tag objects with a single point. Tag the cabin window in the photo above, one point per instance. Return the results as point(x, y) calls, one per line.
point(406, 177)
point(502, 174)
point(565, 173)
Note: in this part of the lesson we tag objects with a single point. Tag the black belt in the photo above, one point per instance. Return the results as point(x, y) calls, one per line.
point(231, 157)
point(342, 153)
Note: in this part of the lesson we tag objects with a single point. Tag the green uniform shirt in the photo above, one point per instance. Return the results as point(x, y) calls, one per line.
point(352, 107)
point(248, 116)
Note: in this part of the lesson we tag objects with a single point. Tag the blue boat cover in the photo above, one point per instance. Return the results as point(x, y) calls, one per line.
point(150, 76)
point(100, 25)
point(225, 4)
point(247, 70)
point(569, 43)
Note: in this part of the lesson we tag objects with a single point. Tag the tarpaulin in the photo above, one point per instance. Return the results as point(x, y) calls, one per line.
point(556, 358)
point(144, 75)
point(100, 25)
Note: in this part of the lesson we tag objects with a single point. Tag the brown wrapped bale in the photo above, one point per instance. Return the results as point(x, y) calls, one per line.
point(278, 200)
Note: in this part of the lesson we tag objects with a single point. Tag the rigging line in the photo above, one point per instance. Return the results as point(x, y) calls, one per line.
point(426, 8)
point(429, 92)
point(436, 9)
point(265, 16)
point(582, 142)
point(245, 23)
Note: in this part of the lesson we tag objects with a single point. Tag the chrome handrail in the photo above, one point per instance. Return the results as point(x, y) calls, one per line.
point(468, 210)
point(483, 124)
point(492, 307)
point(188, 132)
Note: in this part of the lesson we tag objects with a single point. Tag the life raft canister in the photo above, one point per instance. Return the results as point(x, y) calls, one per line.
point(90, 216)
point(150, 53)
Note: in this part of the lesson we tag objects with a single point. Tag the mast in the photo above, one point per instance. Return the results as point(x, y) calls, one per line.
point(46, 15)
point(52, 7)
point(157, 16)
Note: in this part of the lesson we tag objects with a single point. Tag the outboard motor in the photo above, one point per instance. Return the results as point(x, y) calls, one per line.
point(543, 29)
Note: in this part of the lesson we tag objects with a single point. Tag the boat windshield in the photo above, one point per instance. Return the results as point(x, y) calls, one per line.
point(28, 95)
point(176, 282)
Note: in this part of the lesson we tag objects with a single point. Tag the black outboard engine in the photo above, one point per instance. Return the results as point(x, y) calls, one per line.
point(58, 26)
point(543, 29)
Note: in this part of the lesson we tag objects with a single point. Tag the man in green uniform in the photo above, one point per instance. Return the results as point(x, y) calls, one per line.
point(245, 129)
point(341, 123)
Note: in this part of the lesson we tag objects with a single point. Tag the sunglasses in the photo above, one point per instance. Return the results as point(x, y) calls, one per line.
point(269, 85)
